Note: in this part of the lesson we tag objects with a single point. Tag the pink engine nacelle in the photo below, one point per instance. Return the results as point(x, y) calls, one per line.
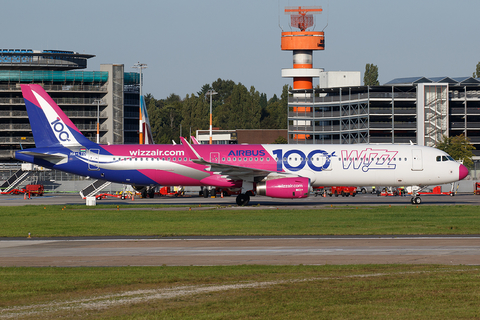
point(284, 188)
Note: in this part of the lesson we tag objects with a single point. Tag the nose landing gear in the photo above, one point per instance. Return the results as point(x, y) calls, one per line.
point(416, 200)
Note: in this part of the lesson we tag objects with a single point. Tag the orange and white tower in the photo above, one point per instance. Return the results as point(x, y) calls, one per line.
point(302, 43)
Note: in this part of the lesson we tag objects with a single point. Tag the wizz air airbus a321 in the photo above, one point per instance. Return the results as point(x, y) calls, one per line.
point(279, 171)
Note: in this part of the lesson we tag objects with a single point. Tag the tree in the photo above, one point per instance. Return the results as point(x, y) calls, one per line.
point(370, 78)
point(195, 113)
point(476, 74)
point(281, 140)
point(459, 147)
point(204, 90)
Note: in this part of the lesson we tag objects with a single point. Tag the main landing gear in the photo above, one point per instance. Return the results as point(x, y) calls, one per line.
point(244, 198)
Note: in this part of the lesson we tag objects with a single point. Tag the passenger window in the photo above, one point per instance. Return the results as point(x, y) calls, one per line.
point(228, 159)
point(223, 159)
point(268, 159)
point(261, 159)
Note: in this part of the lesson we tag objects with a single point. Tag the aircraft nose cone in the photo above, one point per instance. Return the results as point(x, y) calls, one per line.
point(463, 172)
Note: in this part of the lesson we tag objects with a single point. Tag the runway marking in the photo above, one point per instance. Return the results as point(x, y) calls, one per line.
point(141, 296)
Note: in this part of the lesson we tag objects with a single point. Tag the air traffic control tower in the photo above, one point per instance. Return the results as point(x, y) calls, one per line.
point(302, 43)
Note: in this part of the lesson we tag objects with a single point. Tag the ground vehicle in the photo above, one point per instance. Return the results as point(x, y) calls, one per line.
point(172, 191)
point(477, 188)
point(34, 189)
point(343, 191)
point(389, 191)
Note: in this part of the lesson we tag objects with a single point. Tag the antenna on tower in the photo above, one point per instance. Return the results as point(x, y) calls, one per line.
point(302, 17)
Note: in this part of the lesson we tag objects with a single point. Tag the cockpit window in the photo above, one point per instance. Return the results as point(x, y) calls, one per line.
point(445, 158)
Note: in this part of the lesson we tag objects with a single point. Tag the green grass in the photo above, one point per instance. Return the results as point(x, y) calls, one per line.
point(55, 221)
point(323, 292)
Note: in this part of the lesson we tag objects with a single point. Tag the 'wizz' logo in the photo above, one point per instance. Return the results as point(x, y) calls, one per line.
point(369, 159)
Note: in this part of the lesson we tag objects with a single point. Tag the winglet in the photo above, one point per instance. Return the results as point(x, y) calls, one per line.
point(189, 149)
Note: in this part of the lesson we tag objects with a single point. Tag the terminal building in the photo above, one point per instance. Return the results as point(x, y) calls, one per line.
point(111, 94)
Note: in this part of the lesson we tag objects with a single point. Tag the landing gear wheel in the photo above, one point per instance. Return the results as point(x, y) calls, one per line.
point(243, 199)
point(416, 200)
point(213, 193)
point(151, 193)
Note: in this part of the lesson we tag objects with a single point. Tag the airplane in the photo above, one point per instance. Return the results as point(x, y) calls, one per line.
point(273, 170)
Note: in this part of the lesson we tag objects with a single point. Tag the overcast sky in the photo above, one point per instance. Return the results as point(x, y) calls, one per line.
point(188, 43)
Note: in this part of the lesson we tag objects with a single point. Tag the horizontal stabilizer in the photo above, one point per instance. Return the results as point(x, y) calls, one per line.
point(54, 158)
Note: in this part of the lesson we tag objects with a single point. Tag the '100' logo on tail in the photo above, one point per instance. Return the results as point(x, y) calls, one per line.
point(58, 127)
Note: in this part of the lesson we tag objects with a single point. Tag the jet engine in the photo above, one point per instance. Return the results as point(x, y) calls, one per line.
point(287, 188)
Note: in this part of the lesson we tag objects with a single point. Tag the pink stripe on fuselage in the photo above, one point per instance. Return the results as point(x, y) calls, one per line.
point(211, 153)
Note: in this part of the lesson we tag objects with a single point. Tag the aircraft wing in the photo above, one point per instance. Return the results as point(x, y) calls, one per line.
point(229, 171)
point(233, 172)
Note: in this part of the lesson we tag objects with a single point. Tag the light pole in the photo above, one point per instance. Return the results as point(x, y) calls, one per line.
point(211, 92)
point(98, 101)
point(140, 66)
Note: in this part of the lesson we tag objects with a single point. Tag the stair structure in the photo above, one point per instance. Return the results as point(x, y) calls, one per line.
point(94, 188)
point(16, 179)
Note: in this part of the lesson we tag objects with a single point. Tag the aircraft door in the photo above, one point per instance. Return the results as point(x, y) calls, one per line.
point(93, 155)
point(215, 157)
point(417, 161)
